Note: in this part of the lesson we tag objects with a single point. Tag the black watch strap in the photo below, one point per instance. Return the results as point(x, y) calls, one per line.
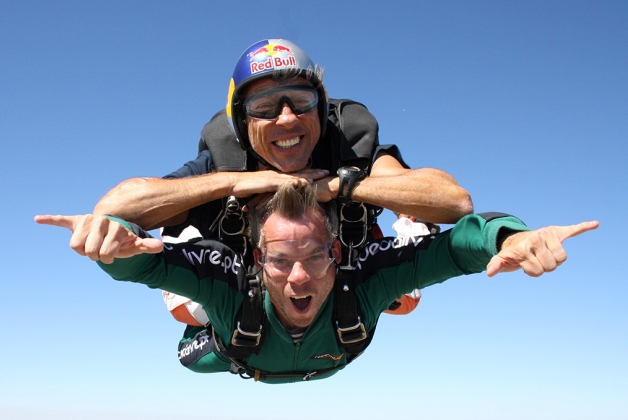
point(348, 175)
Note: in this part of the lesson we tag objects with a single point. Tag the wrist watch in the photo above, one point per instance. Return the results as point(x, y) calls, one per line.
point(348, 175)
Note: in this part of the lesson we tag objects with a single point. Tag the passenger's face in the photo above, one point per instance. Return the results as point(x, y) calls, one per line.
point(297, 296)
point(286, 142)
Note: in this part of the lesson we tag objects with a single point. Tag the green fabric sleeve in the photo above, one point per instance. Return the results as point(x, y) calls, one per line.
point(465, 249)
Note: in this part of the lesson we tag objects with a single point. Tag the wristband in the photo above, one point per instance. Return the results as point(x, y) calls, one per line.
point(348, 175)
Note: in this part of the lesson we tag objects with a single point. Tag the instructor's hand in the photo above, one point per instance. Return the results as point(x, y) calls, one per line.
point(102, 239)
point(536, 251)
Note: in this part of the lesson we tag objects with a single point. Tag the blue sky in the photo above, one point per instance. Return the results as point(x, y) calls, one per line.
point(524, 103)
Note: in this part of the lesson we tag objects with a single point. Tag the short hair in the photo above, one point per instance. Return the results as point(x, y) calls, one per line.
point(313, 74)
point(292, 203)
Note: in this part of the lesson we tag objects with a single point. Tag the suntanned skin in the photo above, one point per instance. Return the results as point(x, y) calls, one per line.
point(429, 194)
point(288, 141)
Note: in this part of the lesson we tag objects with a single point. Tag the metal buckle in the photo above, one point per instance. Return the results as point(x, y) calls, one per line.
point(349, 265)
point(349, 223)
point(232, 209)
point(246, 339)
point(353, 334)
point(227, 232)
point(238, 231)
point(361, 219)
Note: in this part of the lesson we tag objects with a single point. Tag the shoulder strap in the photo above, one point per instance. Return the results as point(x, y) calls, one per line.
point(350, 330)
point(251, 325)
point(226, 153)
point(357, 132)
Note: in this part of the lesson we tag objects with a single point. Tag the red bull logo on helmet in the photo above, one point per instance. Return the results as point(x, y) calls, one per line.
point(271, 56)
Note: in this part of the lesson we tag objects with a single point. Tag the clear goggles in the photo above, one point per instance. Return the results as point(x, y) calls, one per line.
point(278, 258)
point(268, 103)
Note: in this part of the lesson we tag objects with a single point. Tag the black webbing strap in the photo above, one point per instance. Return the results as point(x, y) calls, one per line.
point(247, 372)
point(352, 232)
point(250, 325)
point(350, 329)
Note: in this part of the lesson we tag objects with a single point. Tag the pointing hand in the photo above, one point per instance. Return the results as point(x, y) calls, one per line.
point(100, 238)
point(536, 251)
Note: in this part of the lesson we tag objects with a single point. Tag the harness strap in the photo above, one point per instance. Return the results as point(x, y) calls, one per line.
point(251, 324)
point(350, 329)
point(239, 367)
point(352, 233)
point(247, 372)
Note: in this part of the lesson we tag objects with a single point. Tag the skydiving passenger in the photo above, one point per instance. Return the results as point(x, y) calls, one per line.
point(303, 305)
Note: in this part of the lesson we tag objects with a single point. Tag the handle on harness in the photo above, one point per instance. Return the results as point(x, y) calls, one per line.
point(232, 226)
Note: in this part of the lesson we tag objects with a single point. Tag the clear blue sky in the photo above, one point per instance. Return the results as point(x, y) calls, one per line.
point(524, 103)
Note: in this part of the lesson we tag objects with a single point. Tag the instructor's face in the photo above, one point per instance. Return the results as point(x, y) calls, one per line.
point(287, 141)
point(296, 294)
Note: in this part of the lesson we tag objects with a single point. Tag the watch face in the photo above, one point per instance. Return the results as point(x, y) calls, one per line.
point(349, 170)
point(347, 176)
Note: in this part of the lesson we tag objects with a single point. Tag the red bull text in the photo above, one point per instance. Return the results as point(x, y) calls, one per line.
point(273, 63)
point(271, 57)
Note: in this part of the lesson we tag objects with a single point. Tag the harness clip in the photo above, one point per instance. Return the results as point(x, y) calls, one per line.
point(353, 224)
point(232, 225)
point(352, 335)
point(245, 338)
point(349, 260)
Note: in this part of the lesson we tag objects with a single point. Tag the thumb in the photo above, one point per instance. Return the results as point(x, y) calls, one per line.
point(139, 246)
point(499, 264)
point(150, 245)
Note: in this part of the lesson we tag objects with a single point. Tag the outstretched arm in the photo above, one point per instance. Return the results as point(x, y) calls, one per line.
point(102, 239)
point(156, 202)
point(535, 251)
point(430, 194)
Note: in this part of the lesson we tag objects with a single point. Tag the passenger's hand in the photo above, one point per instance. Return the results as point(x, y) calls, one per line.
point(536, 251)
point(246, 184)
point(102, 239)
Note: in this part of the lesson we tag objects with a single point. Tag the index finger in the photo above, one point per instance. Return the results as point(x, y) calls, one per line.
point(312, 174)
point(68, 222)
point(566, 232)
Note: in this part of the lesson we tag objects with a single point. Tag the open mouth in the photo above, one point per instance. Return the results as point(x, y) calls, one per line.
point(301, 303)
point(286, 144)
